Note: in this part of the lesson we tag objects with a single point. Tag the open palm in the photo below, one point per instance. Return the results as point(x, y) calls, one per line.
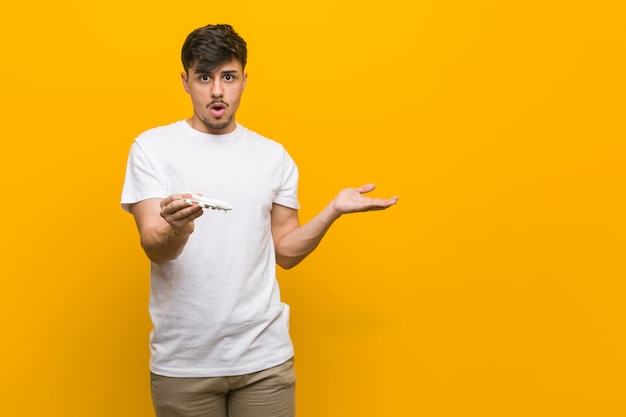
point(352, 200)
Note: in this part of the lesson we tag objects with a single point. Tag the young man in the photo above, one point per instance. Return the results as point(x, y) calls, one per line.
point(220, 345)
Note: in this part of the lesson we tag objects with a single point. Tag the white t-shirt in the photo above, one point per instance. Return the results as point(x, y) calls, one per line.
point(216, 309)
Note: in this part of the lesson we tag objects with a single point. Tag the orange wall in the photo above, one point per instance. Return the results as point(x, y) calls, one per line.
point(496, 286)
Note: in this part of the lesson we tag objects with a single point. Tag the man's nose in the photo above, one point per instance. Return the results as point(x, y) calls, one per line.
point(217, 89)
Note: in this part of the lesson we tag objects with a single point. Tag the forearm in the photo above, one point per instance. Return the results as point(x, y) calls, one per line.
point(164, 226)
point(293, 242)
point(162, 244)
point(296, 245)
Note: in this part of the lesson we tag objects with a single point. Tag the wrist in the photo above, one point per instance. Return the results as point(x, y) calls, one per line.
point(333, 212)
point(180, 234)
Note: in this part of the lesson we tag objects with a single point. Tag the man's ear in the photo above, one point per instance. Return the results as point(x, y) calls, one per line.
point(185, 80)
point(245, 80)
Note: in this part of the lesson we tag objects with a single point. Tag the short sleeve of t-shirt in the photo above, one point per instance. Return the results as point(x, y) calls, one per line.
point(142, 180)
point(288, 194)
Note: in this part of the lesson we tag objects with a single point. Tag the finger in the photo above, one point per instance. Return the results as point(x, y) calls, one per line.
point(366, 188)
point(167, 200)
point(190, 210)
point(187, 217)
point(179, 209)
point(380, 204)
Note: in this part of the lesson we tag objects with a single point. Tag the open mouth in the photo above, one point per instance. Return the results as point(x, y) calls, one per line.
point(217, 105)
point(217, 109)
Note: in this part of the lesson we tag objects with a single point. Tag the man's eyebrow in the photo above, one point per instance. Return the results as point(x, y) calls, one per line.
point(202, 71)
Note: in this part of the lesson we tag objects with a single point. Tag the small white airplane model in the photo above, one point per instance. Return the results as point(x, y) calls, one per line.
point(209, 203)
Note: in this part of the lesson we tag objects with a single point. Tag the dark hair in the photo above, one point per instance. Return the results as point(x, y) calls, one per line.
point(210, 46)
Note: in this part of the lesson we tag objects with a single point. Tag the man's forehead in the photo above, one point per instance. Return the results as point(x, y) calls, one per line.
point(231, 66)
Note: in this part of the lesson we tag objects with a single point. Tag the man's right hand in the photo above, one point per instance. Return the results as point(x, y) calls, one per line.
point(180, 214)
point(165, 226)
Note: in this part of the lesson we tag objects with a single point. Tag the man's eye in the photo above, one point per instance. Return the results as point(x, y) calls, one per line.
point(228, 77)
point(205, 78)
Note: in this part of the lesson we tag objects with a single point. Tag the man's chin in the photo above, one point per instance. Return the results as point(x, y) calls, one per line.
point(218, 126)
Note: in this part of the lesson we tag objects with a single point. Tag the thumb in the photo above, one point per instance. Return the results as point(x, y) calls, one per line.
point(366, 188)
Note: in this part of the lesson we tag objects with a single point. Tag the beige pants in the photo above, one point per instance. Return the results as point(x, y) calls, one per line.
point(269, 393)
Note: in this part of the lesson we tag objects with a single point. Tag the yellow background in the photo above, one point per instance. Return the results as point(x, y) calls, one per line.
point(494, 288)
